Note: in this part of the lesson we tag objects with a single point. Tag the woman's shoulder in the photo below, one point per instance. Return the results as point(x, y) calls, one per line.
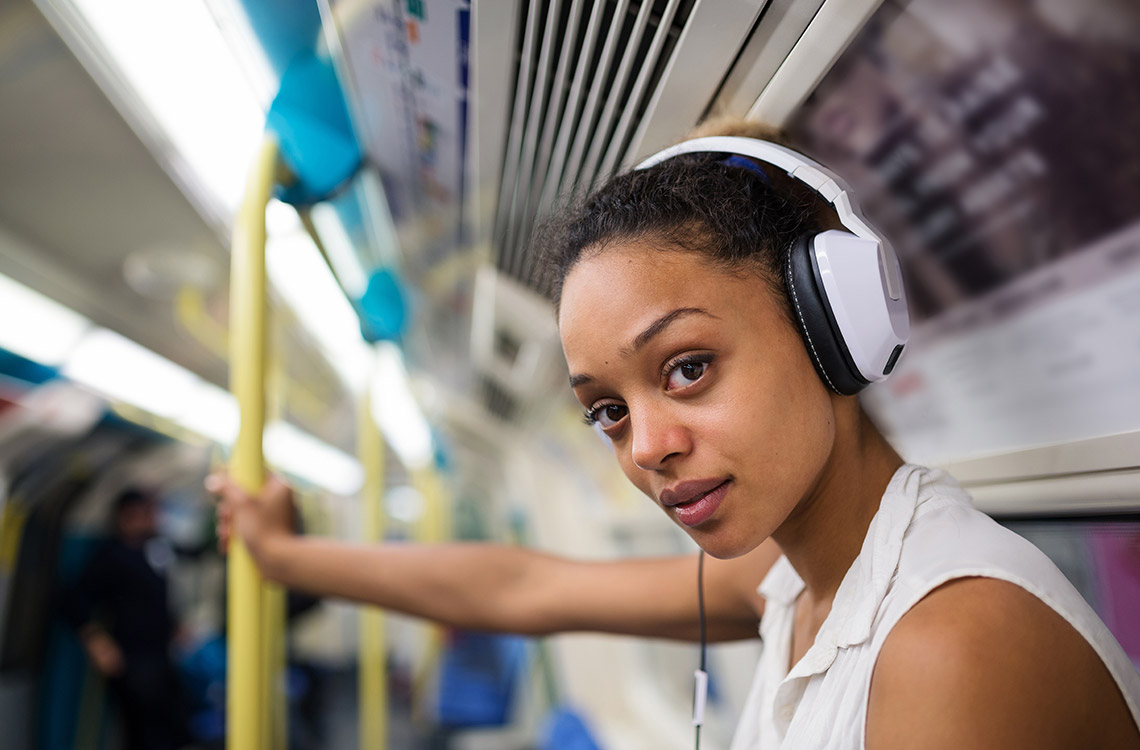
point(947, 534)
point(981, 662)
point(980, 632)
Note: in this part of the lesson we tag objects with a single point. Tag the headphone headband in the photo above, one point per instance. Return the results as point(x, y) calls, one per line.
point(825, 183)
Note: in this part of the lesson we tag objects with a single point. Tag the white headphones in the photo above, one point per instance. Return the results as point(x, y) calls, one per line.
point(846, 287)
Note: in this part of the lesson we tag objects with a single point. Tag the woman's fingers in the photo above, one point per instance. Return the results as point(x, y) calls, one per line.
point(252, 516)
point(226, 488)
point(230, 499)
point(222, 527)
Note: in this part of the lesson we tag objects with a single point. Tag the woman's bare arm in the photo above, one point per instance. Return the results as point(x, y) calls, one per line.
point(500, 587)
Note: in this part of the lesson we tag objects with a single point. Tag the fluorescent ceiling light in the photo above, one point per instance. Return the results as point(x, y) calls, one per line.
point(36, 327)
point(117, 368)
point(301, 276)
point(174, 56)
point(396, 411)
point(121, 369)
point(281, 218)
point(212, 413)
point(313, 460)
point(338, 245)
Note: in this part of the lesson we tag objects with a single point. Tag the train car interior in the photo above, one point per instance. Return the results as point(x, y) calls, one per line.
point(299, 234)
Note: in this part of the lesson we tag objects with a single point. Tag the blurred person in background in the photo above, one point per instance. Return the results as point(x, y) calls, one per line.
point(120, 609)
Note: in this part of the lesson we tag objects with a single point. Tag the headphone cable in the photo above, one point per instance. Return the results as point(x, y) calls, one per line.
point(698, 698)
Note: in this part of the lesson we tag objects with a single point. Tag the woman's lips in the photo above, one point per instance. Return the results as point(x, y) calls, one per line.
point(705, 498)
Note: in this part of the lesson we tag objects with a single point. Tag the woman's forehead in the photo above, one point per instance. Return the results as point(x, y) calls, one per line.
point(618, 293)
point(631, 273)
point(644, 270)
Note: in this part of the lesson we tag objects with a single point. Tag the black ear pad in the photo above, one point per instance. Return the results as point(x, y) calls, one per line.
point(817, 324)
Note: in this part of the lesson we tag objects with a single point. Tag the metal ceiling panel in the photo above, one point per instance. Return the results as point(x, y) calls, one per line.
point(773, 37)
point(830, 31)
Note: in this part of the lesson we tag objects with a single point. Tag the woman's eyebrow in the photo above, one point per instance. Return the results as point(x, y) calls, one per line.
point(660, 325)
point(647, 335)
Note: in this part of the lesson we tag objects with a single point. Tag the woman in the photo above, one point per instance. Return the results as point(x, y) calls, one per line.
point(685, 346)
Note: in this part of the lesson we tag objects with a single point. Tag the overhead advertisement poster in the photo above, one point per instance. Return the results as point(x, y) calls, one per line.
point(995, 142)
point(408, 59)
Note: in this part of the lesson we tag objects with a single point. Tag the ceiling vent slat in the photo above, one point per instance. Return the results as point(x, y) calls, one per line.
point(713, 38)
point(554, 114)
point(605, 72)
point(650, 69)
point(614, 98)
point(540, 98)
point(597, 82)
point(568, 126)
point(515, 135)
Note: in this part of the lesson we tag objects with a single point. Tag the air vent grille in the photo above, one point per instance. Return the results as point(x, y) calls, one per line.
point(585, 75)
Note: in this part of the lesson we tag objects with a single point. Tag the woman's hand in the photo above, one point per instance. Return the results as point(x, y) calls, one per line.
point(258, 520)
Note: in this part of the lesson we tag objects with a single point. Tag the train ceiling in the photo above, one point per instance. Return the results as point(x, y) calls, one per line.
point(547, 97)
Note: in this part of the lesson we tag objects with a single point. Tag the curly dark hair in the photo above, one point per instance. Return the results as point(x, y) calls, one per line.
point(740, 218)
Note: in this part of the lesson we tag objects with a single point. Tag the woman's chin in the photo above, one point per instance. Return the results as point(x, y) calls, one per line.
point(722, 546)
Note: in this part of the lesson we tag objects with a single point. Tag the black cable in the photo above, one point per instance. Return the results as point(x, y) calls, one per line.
point(701, 621)
point(701, 606)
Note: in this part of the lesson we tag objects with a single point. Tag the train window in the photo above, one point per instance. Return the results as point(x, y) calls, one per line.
point(994, 142)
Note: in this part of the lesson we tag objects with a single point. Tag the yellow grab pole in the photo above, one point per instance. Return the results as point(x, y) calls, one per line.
point(246, 707)
point(373, 710)
point(274, 715)
point(433, 527)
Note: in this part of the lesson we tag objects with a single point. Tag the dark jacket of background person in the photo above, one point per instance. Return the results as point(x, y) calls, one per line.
point(119, 607)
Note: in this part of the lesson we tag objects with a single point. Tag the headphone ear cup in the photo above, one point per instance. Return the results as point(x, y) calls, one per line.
point(816, 323)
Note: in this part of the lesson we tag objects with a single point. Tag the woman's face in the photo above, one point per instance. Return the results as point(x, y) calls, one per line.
point(703, 387)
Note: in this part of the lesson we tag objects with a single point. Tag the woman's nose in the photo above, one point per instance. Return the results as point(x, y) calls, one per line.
point(657, 438)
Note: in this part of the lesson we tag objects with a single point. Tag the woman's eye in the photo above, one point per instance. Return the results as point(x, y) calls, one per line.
point(607, 415)
point(685, 373)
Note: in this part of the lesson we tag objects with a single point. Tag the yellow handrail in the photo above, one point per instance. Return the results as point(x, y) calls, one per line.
point(433, 527)
point(247, 710)
point(373, 710)
point(273, 597)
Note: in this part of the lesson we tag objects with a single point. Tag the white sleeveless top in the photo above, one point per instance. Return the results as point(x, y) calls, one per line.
point(925, 533)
